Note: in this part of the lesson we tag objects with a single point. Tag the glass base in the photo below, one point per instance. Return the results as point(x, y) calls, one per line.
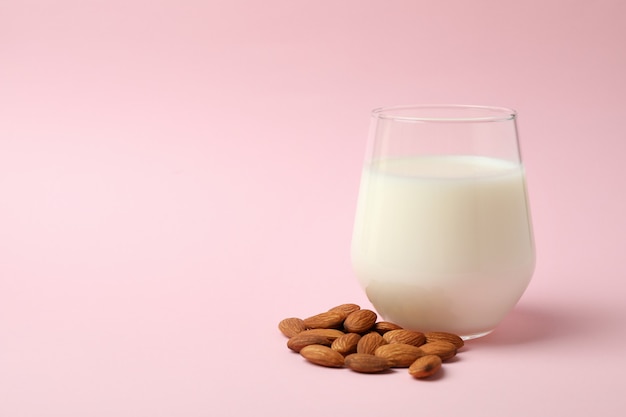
point(476, 335)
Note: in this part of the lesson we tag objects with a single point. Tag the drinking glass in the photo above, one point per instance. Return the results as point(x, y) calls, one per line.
point(442, 238)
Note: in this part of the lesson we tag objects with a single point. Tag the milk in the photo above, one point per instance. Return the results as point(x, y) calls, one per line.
point(443, 242)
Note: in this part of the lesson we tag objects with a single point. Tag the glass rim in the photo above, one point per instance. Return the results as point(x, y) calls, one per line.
point(445, 113)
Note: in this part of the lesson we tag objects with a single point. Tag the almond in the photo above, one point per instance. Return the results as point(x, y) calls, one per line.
point(346, 344)
point(332, 334)
point(405, 336)
point(347, 335)
point(425, 366)
point(364, 363)
point(383, 327)
point(445, 350)
point(326, 320)
point(399, 355)
point(322, 355)
point(360, 321)
point(346, 308)
point(446, 337)
point(291, 326)
point(370, 342)
point(299, 341)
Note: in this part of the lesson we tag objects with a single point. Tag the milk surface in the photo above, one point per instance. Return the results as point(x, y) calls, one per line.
point(443, 242)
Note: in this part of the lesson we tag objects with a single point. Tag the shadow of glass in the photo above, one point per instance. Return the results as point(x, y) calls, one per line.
point(532, 324)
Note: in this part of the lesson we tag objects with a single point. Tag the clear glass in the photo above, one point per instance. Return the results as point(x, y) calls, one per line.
point(443, 238)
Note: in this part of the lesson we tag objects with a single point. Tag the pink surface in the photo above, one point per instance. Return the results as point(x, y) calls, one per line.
point(178, 176)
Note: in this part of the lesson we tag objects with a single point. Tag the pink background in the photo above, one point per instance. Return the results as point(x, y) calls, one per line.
point(178, 176)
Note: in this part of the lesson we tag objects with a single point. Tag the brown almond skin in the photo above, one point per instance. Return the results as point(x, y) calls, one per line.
point(364, 363)
point(291, 326)
point(425, 366)
point(383, 327)
point(399, 355)
point(405, 336)
point(346, 344)
point(360, 321)
point(346, 308)
point(327, 320)
point(332, 334)
point(445, 337)
point(322, 355)
point(299, 341)
point(370, 342)
point(445, 350)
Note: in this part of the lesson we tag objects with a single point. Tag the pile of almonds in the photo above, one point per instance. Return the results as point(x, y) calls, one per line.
point(348, 336)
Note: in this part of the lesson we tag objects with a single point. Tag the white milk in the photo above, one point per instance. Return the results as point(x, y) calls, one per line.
point(443, 242)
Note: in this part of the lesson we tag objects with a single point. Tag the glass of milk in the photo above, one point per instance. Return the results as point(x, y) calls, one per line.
point(443, 239)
